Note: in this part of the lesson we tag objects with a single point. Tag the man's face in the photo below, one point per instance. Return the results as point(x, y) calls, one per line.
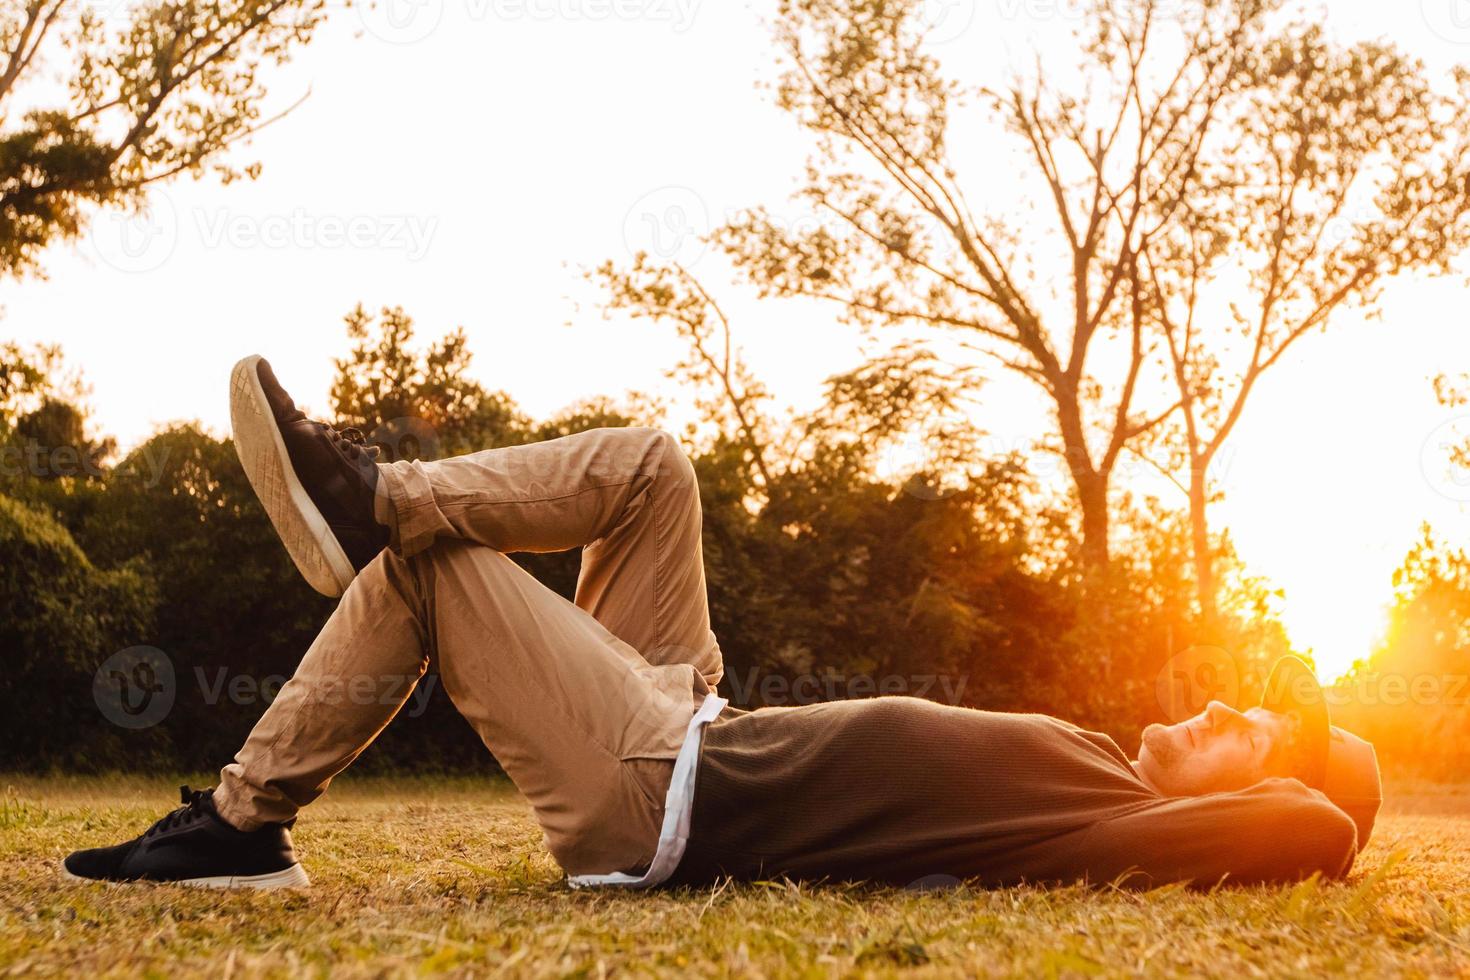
point(1217, 750)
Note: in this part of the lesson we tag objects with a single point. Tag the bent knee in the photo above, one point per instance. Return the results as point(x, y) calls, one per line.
point(672, 467)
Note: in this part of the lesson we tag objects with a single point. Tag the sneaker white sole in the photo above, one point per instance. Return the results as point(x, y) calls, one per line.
point(292, 877)
point(302, 528)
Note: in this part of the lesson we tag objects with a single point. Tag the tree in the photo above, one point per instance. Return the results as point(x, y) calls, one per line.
point(60, 617)
point(733, 397)
point(1453, 391)
point(417, 405)
point(1325, 171)
point(898, 243)
point(44, 420)
point(162, 92)
point(25, 378)
point(29, 377)
point(826, 576)
point(1190, 141)
point(1412, 691)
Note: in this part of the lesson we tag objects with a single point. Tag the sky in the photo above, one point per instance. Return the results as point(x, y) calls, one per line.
point(470, 159)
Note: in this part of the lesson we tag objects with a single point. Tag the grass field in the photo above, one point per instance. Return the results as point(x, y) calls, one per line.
point(421, 877)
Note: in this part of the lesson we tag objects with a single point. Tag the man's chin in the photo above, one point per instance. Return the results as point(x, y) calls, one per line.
point(1156, 755)
point(1157, 744)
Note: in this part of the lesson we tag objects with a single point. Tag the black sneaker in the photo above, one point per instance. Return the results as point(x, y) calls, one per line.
point(193, 846)
point(317, 483)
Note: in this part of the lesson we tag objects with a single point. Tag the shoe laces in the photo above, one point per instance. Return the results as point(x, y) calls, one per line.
point(196, 804)
point(351, 443)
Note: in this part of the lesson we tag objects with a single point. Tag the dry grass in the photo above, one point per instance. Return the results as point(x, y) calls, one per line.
point(428, 877)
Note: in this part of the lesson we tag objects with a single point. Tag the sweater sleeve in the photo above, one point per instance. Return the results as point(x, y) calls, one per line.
point(1277, 830)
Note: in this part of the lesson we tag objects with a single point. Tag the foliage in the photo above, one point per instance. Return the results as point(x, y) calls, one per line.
point(60, 616)
point(1413, 690)
point(1218, 180)
point(417, 405)
point(162, 89)
point(732, 394)
point(1325, 170)
point(898, 242)
point(879, 552)
point(873, 541)
point(26, 377)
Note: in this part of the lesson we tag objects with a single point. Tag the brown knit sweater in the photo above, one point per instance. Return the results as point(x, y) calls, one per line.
point(898, 789)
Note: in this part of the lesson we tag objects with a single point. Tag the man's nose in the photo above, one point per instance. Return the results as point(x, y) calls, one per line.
point(1218, 712)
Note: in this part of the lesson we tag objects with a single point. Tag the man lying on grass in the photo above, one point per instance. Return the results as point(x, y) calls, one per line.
point(605, 715)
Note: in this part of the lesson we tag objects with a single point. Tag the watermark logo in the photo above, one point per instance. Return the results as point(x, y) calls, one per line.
point(813, 688)
point(32, 458)
point(670, 223)
point(1192, 678)
point(135, 688)
point(645, 691)
point(400, 21)
point(406, 438)
point(1441, 456)
point(679, 14)
point(300, 229)
point(138, 241)
point(934, 883)
point(1449, 19)
point(106, 9)
point(1076, 10)
point(144, 240)
point(943, 21)
point(913, 459)
point(411, 21)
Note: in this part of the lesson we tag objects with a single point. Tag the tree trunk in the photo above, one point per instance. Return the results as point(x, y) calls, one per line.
point(1091, 483)
point(1204, 559)
point(1092, 496)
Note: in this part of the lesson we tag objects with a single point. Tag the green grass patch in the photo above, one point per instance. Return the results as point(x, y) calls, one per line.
point(436, 877)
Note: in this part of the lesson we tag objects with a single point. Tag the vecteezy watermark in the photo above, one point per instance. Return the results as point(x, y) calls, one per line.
point(934, 883)
point(1192, 678)
point(670, 223)
point(144, 240)
point(1441, 458)
point(406, 438)
point(647, 691)
point(1394, 689)
point(136, 688)
point(1078, 9)
point(943, 21)
point(1449, 19)
point(780, 689)
point(400, 21)
point(136, 241)
point(218, 684)
point(411, 21)
point(406, 233)
point(679, 14)
point(29, 457)
point(913, 458)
